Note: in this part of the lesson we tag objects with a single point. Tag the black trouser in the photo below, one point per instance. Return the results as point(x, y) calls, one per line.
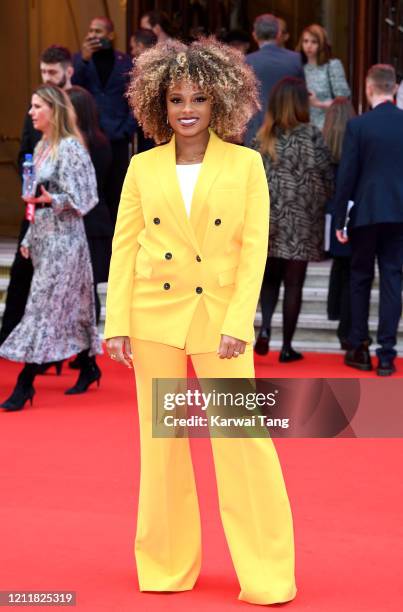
point(338, 300)
point(21, 273)
point(116, 176)
point(384, 241)
point(292, 273)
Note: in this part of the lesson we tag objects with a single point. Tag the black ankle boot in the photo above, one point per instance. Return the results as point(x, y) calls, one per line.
point(89, 373)
point(18, 398)
point(287, 355)
point(262, 342)
point(44, 367)
point(75, 363)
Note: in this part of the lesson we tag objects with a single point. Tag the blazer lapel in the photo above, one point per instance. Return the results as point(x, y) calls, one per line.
point(170, 187)
point(195, 227)
point(212, 163)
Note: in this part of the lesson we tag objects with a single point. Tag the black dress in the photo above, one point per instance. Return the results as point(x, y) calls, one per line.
point(98, 223)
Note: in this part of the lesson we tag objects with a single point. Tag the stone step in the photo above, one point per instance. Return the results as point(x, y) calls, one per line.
point(318, 274)
point(314, 299)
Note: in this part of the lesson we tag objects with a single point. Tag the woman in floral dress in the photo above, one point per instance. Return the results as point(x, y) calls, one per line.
point(59, 319)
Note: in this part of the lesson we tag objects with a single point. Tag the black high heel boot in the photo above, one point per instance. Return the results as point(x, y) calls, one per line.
point(44, 367)
point(23, 391)
point(75, 363)
point(89, 373)
point(18, 398)
point(262, 342)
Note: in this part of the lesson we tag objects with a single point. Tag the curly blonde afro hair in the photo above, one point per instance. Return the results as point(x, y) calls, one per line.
point(219, 70)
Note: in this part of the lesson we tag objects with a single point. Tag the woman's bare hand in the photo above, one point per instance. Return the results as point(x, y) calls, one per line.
point(25, 252)
point(315, 102)
point(119, 350)
point(230, 347)
point(44, 198)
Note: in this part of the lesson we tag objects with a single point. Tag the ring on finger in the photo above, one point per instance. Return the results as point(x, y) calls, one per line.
point(113, 356)
point(236, 353)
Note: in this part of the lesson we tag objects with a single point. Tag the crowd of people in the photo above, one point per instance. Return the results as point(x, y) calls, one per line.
point(317, 157)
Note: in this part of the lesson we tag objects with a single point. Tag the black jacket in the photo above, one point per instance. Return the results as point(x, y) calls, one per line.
point(371, 168)
point(271, 63)
point(29, 139)
point(115, 116)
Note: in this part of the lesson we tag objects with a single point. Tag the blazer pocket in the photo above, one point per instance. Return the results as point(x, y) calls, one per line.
point(143, 266)
point(227, 277)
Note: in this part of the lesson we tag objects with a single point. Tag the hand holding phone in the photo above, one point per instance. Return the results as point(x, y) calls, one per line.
point(91, 44)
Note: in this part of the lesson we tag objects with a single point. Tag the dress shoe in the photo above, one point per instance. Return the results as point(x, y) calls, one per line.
point(385, 366)
point(21, 394)
point(287, 355)
point(89, 374)
point(345, 345)
point(262, 342)
point(44, 367)
point(359, 358)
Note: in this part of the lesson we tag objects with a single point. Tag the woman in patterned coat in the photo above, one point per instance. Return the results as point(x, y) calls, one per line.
point(325, 76)
point(299, 171)
point(59, 319)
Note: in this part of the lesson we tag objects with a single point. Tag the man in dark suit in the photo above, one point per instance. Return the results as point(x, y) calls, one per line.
point(140, 41)
point(271, 63)
point(56, 69)
point(370, 174)
point(104, 72)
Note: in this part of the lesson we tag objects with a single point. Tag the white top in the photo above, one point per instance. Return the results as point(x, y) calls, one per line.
point(187, 177)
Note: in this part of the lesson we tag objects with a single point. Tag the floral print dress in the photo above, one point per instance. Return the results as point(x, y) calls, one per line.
point(59, 318)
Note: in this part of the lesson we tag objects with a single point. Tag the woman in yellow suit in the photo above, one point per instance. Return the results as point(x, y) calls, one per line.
point(189, 253)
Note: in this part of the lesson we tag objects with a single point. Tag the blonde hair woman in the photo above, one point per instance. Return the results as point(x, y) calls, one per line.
point(324, 75)
point(59, 319)
point(188, 257)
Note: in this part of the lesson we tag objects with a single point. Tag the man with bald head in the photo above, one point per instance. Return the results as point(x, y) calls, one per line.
point(104, 73)
point(271, 63)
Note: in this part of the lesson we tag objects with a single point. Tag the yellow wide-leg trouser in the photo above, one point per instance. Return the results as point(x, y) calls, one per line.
point(254, 505)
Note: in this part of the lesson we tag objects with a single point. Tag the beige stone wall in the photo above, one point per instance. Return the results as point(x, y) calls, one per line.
point(27, 27)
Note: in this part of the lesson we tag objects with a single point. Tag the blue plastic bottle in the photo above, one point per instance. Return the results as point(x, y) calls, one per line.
point(28, 176)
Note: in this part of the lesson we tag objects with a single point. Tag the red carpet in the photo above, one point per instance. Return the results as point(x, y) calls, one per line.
point(69, 477)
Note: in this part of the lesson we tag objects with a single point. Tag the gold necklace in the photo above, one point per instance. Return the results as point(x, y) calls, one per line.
point(198, 157)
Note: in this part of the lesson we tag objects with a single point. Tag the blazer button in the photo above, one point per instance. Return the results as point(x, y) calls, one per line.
point(156, 221)
point(217, 222)
point(168, 255)
point(167, 286)
point(198, 258)
point(199, 290)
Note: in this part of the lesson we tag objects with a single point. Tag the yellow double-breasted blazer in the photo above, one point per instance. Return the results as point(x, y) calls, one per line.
point(166, 265)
